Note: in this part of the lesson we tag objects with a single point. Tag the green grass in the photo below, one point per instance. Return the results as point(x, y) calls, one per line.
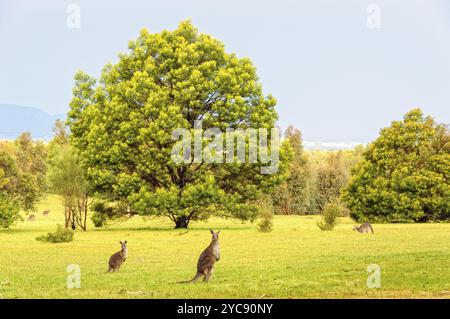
point(296, 260)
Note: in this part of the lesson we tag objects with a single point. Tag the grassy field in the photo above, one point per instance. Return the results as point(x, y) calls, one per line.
point(296, 260)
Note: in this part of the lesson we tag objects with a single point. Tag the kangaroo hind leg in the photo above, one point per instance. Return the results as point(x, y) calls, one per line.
point(209, 274)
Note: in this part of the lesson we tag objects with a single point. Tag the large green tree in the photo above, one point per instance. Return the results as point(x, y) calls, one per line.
point(404, 176)
point(123, 124)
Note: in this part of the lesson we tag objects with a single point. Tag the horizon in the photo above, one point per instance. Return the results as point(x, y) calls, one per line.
point(309, 145)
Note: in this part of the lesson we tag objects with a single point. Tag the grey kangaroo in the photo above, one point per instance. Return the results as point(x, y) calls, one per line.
point(116, 260)
point(206, 261)
point(364, 228)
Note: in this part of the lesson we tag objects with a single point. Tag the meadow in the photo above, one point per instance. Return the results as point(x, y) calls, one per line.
point(295, 260)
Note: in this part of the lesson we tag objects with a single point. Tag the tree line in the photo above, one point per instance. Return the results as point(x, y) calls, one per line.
point(117, 143)
point(402, 176)
point(315, 177)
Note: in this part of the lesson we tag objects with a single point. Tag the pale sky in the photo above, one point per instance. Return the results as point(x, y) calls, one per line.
point(334, 77)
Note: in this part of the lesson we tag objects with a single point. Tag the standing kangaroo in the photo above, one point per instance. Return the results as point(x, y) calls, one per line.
point(116, 260)
point(206, 261)
point(364, 228)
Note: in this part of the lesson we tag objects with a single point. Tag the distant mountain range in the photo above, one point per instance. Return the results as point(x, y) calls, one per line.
point(15, 120)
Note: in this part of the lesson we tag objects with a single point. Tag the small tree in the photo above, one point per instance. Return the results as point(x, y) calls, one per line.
point(266, 214)
point(332, 210)
point(66, 178)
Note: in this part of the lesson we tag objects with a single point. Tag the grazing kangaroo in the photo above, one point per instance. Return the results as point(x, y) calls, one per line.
point(206, 261)
point(46, 212)
point(31, 218)
point(364, 228)
point(116, 260)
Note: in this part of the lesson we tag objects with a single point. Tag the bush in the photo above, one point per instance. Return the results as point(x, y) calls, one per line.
point(62, 235)
point(98, 219)
point(102, 213)
point(332, 210)
point(265, 225)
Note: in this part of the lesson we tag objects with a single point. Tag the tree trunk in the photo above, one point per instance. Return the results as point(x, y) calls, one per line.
point(73, 221)
point(181, 222)
point(66, 215)
point(85, 212)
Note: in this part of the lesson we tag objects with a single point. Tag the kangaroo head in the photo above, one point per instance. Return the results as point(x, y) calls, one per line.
point(123, 244)
point(215, 236)
point(355, 227)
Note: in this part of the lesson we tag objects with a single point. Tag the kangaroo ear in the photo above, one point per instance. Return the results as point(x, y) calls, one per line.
point(212, 232)
point(120, 242)
point(125, 242)
point(218, 232)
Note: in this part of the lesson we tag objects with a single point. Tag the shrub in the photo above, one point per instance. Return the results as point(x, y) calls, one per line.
point(103, 212)
point(98, 219)
point(265, 224)
point(62, 235)
point(332, 210)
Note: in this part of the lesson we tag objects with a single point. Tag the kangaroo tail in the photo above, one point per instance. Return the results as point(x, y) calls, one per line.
point(196, 277)
point(371, 228)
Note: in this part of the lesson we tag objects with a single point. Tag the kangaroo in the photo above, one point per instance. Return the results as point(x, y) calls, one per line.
point(364, 228)
point(46, 212)
point(206, 261)
point(116, 260)
point(31, 218)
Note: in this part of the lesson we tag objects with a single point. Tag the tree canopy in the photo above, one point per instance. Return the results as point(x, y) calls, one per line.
point(123, 122)
point(404, 176)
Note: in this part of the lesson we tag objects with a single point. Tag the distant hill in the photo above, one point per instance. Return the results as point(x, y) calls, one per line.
point(16, 119)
